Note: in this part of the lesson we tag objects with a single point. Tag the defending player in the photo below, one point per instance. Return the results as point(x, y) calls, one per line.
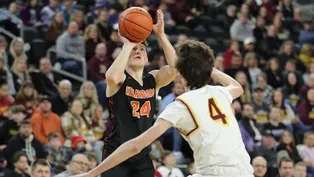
point(132, 97)
point(203, 115)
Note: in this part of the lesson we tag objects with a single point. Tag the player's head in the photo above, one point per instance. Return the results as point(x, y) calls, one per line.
point(195, 63)
point(138, 56)
point(40, 168)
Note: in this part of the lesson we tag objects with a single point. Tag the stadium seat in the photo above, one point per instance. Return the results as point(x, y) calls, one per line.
point(38, 48)
point(200, 32)
point(29, 33)
point(173, 38)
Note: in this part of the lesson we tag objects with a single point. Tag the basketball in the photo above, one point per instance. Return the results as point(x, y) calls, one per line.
point(135, 24)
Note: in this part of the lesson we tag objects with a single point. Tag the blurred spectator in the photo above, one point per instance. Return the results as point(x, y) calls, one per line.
point(245, 10)
point(260, 30)
point(286, 7)
point(268, 151)
point(219, 63)
point(16, 51)
point(299, 170)
point(55, 28)
point(261, 82)
point(274, 74)
point(92, 38)
point(286, 53)
point(274, 125)
point(305, 109)
point(236, 66)
point(45, 122)
point(260, 166)
point(40, 168)
point(49, 11)
point(283, 33)
point(63, 99)
point(180, 11)
point(249, 129)
point(69, 45)
point(103, 26)
point(287, 143)
point(241, 29)
point(30, 13)
point(114, 43)
point(28, 97)
point(233, 49)
point(74, 124)
point(67, 9)
point(97, 67)
point(11, 13)
point(181, 39)
point(285, 167)
point(57, 154)
point(6, 76)
point(26, 142)
point(5, 101)
point(231, 13)
point(3, 50)
point(307, 34)
point(10, 127)
point(45, 81)
point(306, 55)
point(156, 164)
point(288, 116)
point(89, 98)
point(308, 85)
point(98, 123)
point(249, 46)
point(78, 165)
point(20, 72)
point(167, 169)
point(271, 43)
point(261, 109)
point(246, 97)
point(307, 74)
point(79, 17)
point(307, 151)
point(80, 145)
point(291, 90)
point(21, 167)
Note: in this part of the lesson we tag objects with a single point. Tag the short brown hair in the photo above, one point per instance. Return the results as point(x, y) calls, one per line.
point(195, 63)
point(42, 162)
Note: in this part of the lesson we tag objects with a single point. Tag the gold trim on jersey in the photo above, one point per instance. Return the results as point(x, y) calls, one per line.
point(192, 115)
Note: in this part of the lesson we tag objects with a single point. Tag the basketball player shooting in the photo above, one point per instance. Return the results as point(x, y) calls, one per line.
point(204, 117)
point(131, 100)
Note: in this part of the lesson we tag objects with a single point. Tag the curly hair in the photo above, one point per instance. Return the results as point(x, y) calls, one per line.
point(195, 63)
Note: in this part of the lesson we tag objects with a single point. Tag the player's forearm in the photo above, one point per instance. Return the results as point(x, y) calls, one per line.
point(124, 152)
point(116, 70)
point(224, 79)
point(169, 51)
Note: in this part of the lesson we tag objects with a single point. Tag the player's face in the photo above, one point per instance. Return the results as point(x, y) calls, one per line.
point(41, 171)
point(138, 56)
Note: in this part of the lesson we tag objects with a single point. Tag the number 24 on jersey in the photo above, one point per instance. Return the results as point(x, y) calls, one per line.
point(140, 110)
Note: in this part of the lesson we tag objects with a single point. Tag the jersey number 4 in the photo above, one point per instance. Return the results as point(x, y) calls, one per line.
point(215, 113)
point(139, 110)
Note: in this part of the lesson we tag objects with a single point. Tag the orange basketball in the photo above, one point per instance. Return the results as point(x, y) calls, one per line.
point(135, 24)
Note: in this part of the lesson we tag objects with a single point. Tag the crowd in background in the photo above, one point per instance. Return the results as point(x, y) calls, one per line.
point(54, 125)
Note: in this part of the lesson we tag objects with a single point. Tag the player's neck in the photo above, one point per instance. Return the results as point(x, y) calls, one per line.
point(136, 74)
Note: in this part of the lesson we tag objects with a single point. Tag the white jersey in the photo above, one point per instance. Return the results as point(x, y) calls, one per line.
point(206, 120)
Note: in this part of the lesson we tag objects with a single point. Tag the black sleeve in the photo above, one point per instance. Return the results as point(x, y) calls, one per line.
point(40, 150)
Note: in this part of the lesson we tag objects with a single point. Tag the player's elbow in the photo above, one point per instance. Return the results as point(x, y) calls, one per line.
point(136, 147)
point(112, 78)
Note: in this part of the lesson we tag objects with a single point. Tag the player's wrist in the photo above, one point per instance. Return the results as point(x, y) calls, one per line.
point(162, 35)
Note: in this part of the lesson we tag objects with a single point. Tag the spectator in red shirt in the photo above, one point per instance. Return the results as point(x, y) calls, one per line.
point(234, 49)
point(97, 67)
point(5, 101)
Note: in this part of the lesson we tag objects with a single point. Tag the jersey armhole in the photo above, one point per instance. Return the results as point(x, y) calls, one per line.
point(118, 90)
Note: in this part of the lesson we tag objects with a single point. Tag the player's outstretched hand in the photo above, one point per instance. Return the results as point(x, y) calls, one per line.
point(84, 175)
point(159, 27)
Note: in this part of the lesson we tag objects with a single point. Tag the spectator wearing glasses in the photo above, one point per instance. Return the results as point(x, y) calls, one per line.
point(78, 165)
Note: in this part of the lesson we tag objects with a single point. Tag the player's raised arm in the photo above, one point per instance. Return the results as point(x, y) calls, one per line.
point(115, 74)
point(232, 85)
point(167, 73)
point(130, 148)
